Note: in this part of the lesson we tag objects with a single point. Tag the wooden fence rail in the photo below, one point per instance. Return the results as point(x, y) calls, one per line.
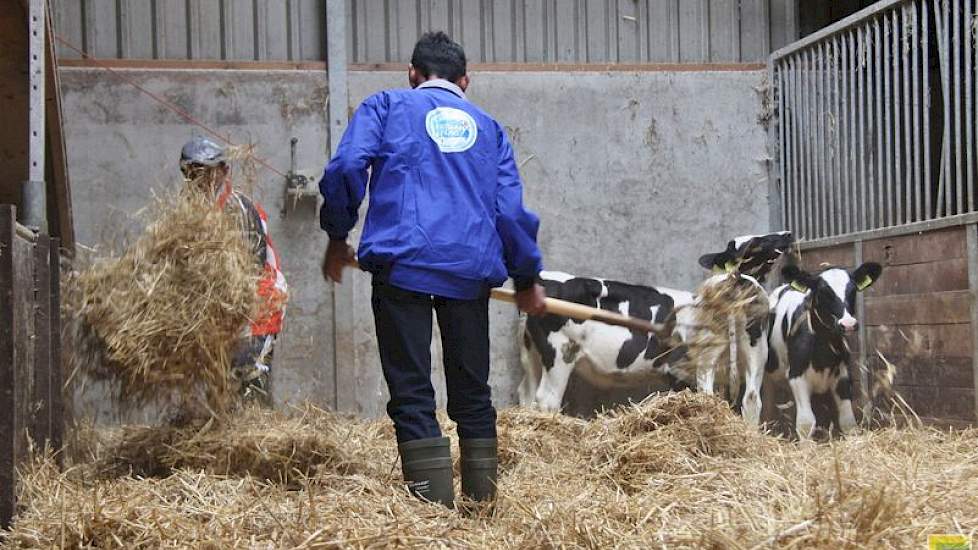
point(31, 404)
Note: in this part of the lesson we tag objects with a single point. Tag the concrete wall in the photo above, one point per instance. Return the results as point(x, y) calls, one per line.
point(634, 175)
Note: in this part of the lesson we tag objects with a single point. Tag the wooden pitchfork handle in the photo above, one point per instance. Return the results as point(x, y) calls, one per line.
point(580, 312)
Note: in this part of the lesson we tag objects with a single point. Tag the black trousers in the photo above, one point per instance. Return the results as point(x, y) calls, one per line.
point(404, 325)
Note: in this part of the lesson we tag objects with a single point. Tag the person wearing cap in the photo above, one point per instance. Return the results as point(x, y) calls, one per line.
point(205, 169)
point(445, 224)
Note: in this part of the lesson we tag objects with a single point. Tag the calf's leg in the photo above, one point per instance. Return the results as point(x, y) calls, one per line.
point(553, 384)
point(842, 392)
point(532, 371)
point(756, 360)
point(804, 416)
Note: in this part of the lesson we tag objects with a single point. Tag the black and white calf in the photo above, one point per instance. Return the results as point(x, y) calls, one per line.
point(810, 317)
point(752, 255)
point(608, 356)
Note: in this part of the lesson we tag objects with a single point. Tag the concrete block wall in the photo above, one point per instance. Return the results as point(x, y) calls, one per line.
point(634, 174)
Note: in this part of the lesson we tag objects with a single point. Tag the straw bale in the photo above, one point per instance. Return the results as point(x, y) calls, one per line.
point(160, 321)
point(560, 489)
point(717, 303)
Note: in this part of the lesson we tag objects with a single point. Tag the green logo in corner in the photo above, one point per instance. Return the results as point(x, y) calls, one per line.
point(948, 542)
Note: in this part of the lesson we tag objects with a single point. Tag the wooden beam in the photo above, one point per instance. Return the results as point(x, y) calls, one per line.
point(183, 64)
point(972, 245)
point(39, 423)
point(57, 408)
point(7, 369)
point(60, 218)
point(13, 100)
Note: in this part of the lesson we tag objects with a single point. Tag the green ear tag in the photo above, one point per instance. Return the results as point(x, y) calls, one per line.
point(798, 286)
point(864, 283)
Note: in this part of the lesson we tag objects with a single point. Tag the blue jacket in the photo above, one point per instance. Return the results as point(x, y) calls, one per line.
point(446, 214)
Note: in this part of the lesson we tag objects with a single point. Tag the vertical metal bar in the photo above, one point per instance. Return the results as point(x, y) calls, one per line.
point(925, 61)
point(838, 151)
point(878, 183)
point(942, 20)
point(918, 167)
point(798, 85)
point(886, 189)
point(808, 135)
point(906, 199)
point(34, 197)
point(972, 244)
point(344, 319)
point(820, 140)
point(956, 82)
point(896, 168)
point(783, 152)
point(831, 139)
point(969, 125)
point(862, 54)
point(798, 153)
point(847, 118)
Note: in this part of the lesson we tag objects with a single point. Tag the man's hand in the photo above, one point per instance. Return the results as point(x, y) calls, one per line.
point(339, 255)
point(531, 300)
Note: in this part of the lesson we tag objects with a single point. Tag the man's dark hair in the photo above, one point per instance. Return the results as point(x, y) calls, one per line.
point(437, 54)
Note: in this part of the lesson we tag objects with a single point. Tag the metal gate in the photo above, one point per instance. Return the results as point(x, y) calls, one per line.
point(873, 141)
point(876, 119)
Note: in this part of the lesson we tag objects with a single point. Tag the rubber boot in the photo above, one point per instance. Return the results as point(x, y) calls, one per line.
point(479, 463)
point(427, 467)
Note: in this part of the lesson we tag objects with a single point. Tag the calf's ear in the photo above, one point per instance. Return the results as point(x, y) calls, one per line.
point(865, 275)
point(720, 262)
point(794, 276)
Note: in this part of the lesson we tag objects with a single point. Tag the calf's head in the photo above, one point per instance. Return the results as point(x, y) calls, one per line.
point(750, 254)
point(832, 293)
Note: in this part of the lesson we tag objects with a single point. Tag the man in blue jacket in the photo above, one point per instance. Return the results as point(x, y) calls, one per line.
point(446, 223)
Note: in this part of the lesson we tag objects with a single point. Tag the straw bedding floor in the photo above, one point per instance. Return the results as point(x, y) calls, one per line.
point(678, 471)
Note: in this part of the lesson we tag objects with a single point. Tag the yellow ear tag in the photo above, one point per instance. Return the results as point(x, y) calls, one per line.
point(798, 286)
point(730, 266)
point(864, 283)
point(718, 269)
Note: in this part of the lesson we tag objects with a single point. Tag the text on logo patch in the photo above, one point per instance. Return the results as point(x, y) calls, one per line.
point(453, 130)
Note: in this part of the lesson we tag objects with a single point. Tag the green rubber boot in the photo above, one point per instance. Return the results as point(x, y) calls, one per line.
point(427, 467)
point(479, 464)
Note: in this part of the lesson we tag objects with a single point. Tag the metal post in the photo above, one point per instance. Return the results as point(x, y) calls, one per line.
point(888, 133)
point(34, 202)
point(862, 126)
point(925, 61)
point(344, 320)
point(877, 182)
point(969, 105)
point(918, 168)
point(958, 172)
point(776, 153)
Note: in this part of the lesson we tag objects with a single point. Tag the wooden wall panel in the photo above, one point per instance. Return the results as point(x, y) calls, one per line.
point(837, 256)
point(918, 316)
point(930, 246)
point(934, 308)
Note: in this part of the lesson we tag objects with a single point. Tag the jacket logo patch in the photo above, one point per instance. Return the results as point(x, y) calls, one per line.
point(453, 130)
